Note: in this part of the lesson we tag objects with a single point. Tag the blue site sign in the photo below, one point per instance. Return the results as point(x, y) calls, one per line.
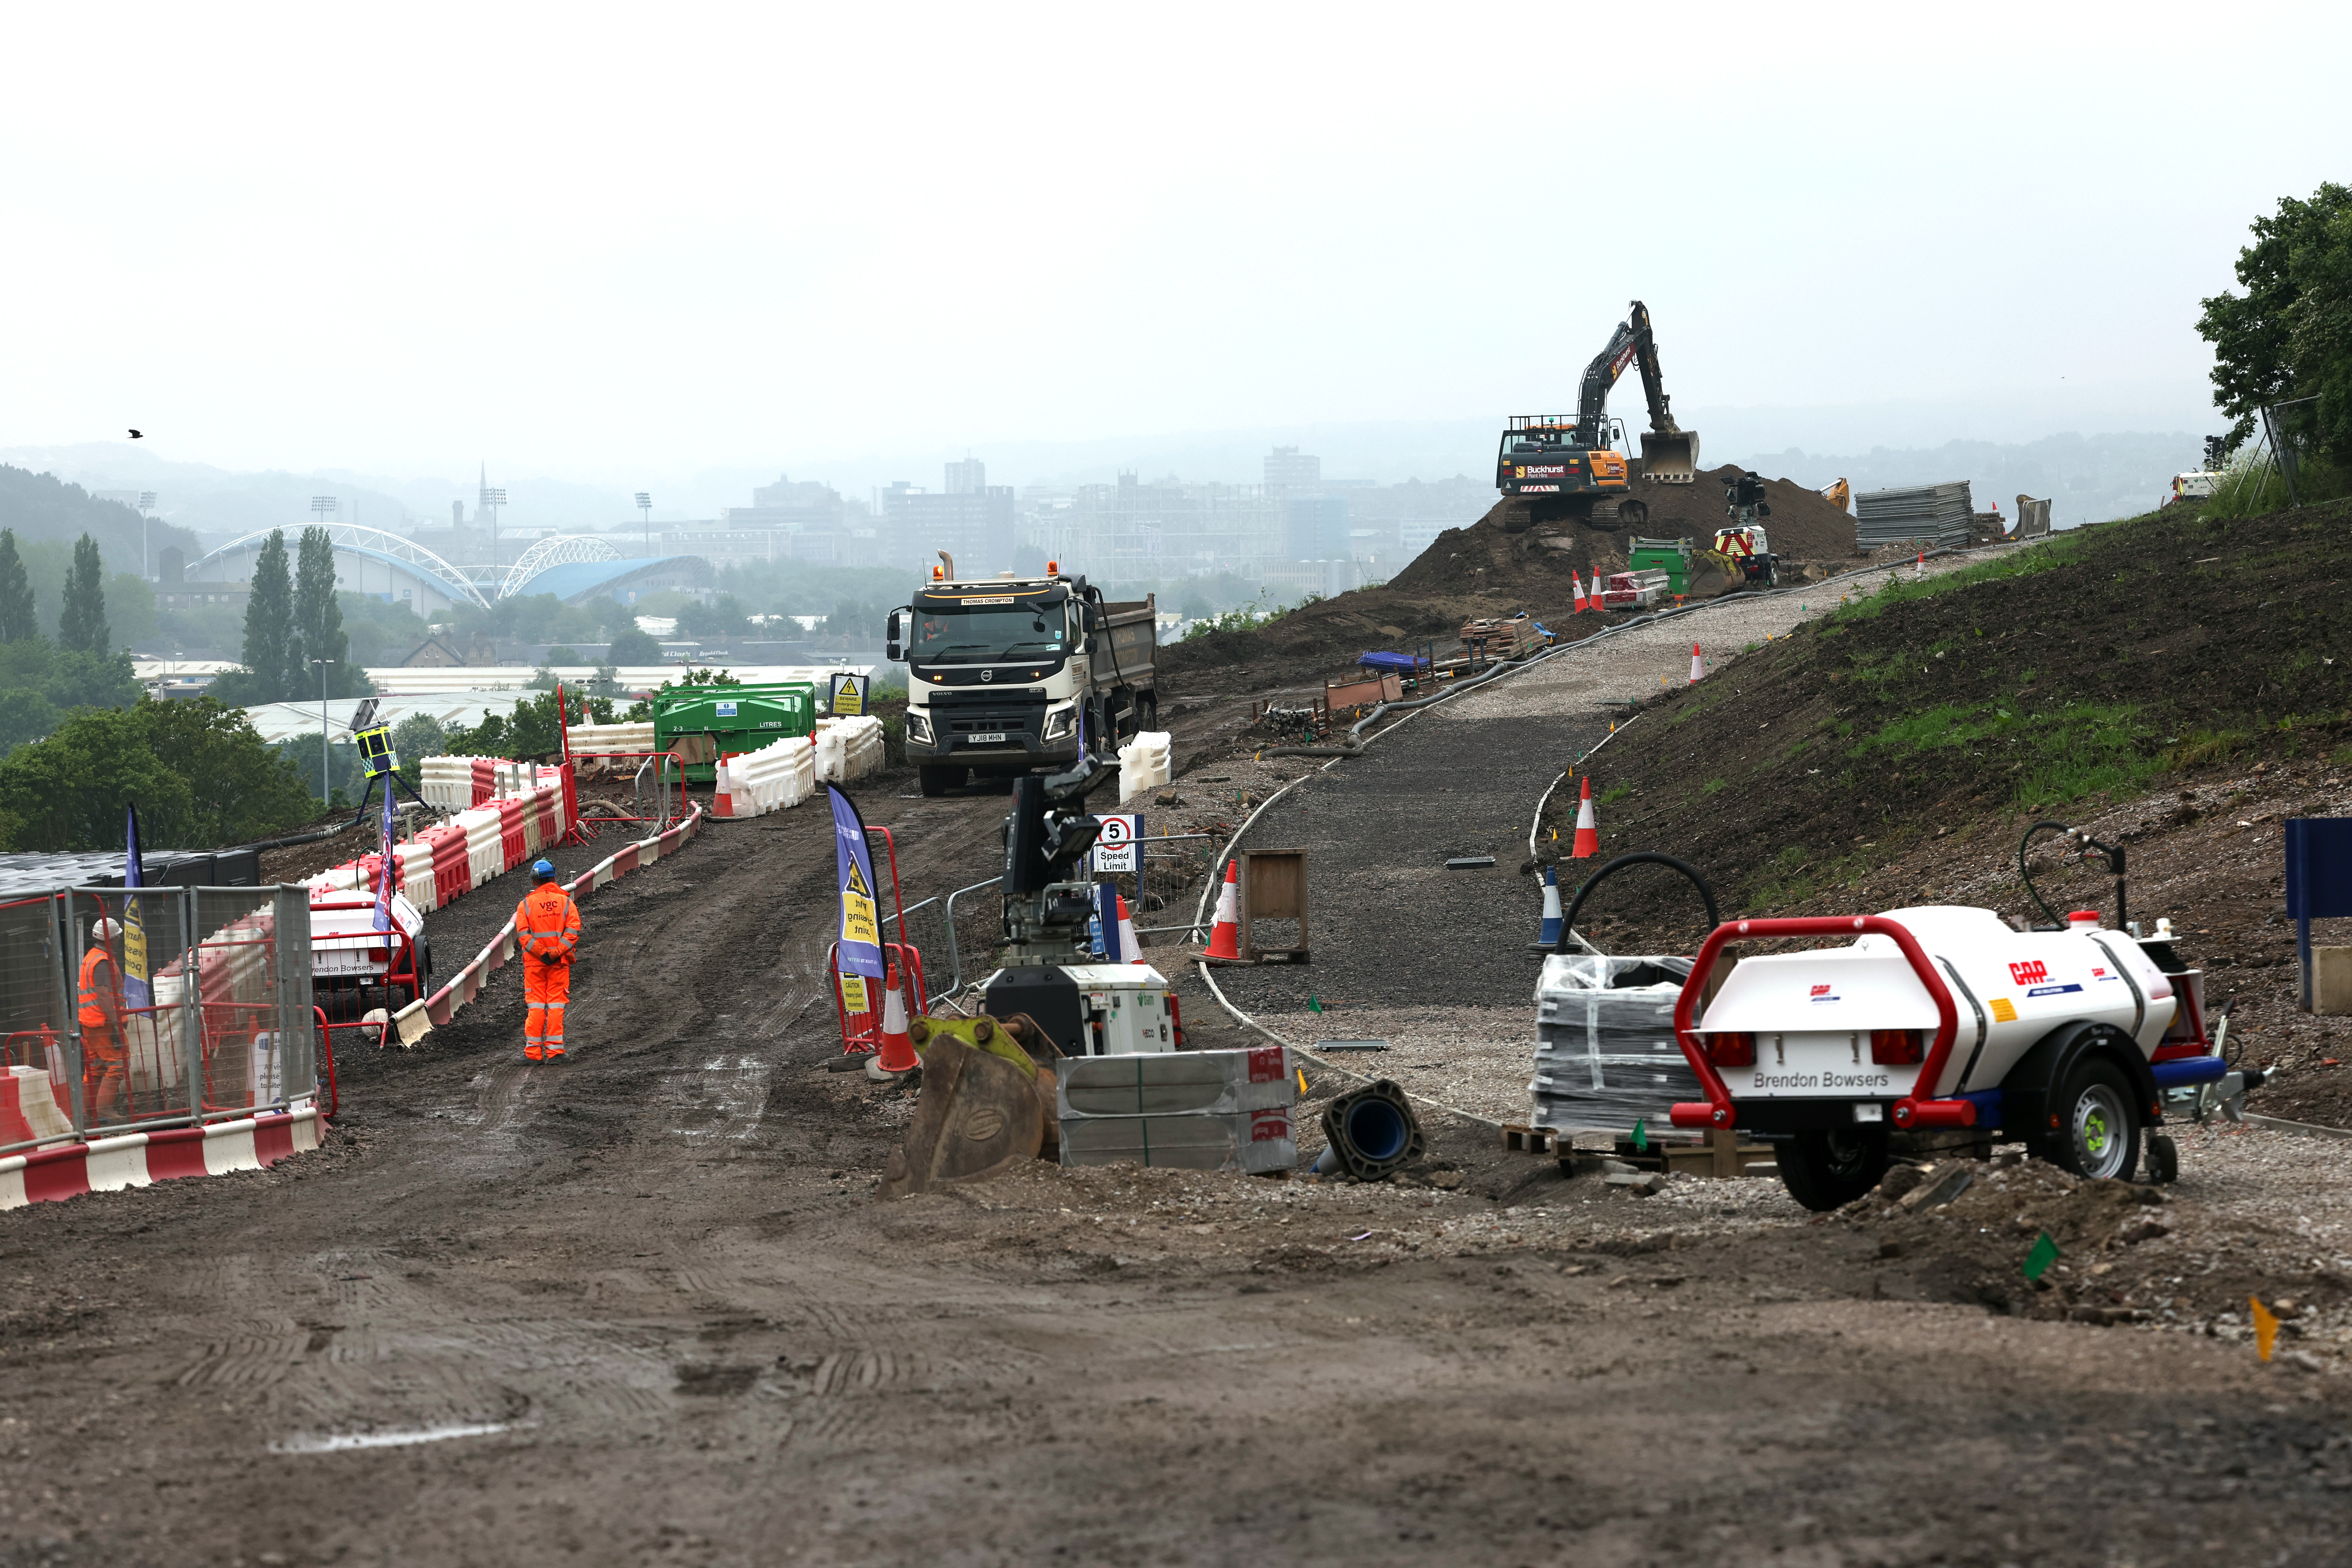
point(2318, 880)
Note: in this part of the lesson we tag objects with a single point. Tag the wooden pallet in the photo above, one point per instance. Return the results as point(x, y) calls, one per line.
point(1524, 1139)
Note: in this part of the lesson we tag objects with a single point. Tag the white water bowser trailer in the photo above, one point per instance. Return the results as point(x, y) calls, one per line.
point(1941, 1025)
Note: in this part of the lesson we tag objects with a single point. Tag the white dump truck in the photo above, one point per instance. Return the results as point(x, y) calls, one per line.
point(1942, 1024)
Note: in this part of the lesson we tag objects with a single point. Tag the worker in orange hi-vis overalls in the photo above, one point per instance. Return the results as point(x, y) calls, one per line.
point(547, 928)
point(100, 1008)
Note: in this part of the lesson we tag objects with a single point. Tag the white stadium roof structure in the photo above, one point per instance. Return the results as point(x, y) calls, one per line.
point(351, 538)
point(555, 550)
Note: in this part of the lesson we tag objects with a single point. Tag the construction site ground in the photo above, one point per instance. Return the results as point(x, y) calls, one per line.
point(643, 1307)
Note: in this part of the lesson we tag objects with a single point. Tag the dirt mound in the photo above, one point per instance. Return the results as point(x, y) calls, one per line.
point(1499, 565)
point(2045, 681)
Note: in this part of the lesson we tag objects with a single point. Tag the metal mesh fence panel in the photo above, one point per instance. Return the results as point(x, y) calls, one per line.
point(36, 1103)
point(136, 1011)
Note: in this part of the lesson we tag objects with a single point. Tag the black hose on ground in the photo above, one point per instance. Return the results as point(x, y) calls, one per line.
point(1637, 857)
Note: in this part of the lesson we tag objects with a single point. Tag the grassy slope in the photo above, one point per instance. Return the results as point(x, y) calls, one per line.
point(2084, 670)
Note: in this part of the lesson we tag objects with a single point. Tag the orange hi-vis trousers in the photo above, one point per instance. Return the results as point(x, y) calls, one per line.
point(545, 989)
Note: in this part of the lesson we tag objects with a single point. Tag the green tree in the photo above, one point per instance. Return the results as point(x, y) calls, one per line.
point(634, 645)
point(2290, 334)
point(319, 618)
point(81, 622)
point(271, 646)
point(17, 621)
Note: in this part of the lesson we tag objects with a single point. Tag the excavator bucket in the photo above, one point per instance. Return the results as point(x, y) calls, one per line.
point(1670, 460)
point(983, 1110)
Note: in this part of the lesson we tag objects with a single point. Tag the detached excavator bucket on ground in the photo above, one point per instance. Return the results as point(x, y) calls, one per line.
point(986, 1105)
point(1671, 460)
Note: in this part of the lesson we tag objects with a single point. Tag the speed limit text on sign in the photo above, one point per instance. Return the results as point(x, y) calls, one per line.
point(1115, 847)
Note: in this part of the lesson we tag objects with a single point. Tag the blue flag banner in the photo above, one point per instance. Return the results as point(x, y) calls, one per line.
point(860, 932)
point(386, 883)
point(136, 992)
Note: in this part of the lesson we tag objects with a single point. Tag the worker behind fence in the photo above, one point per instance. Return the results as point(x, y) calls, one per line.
point(104, 1092)
point(547, 928)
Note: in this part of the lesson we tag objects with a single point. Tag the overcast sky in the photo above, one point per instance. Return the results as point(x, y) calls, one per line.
point(600, 242)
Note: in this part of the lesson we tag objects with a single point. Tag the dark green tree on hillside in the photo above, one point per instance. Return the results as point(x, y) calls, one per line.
point(271, 648)
point(2289, 336)
point(17, 621)
point(319, 618)
point(198, 772)
point(81, 621)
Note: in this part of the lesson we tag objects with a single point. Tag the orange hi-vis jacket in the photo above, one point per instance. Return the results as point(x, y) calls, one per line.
point(546, 924)
point(98, 1036)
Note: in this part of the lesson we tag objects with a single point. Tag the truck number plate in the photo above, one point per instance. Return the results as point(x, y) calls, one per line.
point(994, 740)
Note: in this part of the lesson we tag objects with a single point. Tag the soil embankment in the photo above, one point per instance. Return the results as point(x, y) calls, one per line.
point(1499, 565)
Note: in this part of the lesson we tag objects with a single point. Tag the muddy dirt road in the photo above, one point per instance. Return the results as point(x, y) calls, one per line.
point(643, 1308)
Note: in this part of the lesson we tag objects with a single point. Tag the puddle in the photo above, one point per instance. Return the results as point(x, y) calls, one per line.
point(336, 1445)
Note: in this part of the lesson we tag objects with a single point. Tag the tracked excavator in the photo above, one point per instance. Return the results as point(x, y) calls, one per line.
point(1567, 468)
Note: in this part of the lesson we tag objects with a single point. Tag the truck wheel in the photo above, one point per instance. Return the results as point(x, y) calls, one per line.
point(2163, 1159)
point(2098, 1128)
point(938, 780)
point(1825, 1170)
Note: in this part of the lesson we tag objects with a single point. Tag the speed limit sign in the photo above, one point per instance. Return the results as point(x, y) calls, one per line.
point(1115, 847)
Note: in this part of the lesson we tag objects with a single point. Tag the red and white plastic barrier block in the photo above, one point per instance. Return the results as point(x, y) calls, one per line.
point(139, 1159)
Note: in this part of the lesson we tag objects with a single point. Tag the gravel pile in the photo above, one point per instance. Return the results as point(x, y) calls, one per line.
point(1473, 1058)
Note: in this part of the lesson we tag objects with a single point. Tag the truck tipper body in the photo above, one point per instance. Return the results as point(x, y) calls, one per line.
point(1941, 1021)
point(1005, 674)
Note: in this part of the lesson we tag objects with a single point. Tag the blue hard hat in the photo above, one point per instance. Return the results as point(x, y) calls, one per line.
point(542, 870)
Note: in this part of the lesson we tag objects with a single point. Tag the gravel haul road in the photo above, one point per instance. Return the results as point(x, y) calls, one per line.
point(644, 1307)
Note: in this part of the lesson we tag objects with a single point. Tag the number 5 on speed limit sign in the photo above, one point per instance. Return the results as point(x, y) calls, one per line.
point(1116, 850)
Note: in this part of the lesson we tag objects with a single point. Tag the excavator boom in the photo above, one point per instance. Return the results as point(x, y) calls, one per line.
point(1669, 453)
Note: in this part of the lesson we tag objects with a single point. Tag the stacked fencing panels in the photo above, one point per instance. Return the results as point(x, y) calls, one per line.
point(1605, 1050)
point(1934, 516)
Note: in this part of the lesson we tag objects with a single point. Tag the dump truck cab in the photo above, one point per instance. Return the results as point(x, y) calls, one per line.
point(1005, 674)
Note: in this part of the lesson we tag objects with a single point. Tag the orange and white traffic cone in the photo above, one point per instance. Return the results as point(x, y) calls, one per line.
point(1129, 950)
point(1698, 664)
point(1588, 827)
point(897, 1053)
point(1582, 603)
point(1225, 927)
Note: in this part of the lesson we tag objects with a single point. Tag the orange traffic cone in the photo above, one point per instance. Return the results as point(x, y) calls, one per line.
point(1588, 829)
point(1582, 603)
point(897, 1053)
point(1129, 950)
point(1225, 927)
point(1698, 664)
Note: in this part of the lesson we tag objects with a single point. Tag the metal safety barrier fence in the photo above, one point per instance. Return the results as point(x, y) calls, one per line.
point(133, 1010)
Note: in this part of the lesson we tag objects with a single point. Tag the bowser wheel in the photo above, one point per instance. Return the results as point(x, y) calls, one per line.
point(2098, 1127)
point(2163, 1159)
point(1825, 1170)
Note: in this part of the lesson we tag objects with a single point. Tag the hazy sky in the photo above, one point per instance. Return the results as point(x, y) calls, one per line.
point(600, 242)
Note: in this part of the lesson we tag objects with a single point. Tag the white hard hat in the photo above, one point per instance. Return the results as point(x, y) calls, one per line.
point(104, 929)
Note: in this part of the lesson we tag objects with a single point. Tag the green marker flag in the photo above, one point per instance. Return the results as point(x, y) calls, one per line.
point(1641, 1136)
point(2038, 1260)
point(1312, 1004)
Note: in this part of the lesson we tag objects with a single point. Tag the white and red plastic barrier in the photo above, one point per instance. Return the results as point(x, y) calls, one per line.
point(776, 777)
point(138, 1159)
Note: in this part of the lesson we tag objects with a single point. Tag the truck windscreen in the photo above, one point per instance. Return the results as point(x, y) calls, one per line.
point(945, 634)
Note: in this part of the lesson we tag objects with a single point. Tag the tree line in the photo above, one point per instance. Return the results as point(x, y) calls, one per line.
point(293, 621)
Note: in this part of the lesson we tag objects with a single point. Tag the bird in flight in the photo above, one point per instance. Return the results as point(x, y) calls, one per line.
point(135, 434)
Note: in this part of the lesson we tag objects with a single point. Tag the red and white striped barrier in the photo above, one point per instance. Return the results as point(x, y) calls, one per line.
point(139, 1159)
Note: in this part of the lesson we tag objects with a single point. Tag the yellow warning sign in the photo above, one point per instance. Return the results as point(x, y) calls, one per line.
point(857, 922)
point(853, 993)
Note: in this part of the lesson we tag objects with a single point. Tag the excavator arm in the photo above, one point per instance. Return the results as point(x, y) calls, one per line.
point(1669, 453)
